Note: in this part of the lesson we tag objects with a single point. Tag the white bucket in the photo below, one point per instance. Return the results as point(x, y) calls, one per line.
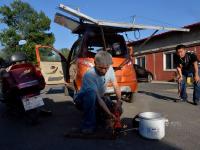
point(152, 125)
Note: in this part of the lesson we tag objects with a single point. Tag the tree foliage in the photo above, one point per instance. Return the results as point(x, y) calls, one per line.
point(24, 23)
point(65, 52)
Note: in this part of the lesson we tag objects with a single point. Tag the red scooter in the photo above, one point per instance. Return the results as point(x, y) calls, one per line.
point(21, 86)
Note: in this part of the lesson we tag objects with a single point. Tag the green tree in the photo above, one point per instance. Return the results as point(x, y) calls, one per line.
point(24, 23)
point(65, 52)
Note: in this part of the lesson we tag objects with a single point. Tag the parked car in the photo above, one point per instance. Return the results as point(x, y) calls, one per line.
point(142, 74)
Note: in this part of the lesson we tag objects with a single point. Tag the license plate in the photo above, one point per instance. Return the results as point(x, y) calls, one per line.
point(32, 102)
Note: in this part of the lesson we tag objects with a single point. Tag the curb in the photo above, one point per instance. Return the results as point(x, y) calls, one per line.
point(163, 82)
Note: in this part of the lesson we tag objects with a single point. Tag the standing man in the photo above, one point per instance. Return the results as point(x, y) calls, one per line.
point(91, 94)
point(187, 65)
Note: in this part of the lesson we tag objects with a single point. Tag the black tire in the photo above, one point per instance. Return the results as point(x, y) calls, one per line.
point(32, 116)
point(149, 78)
point(13, 103)
point(130, 97)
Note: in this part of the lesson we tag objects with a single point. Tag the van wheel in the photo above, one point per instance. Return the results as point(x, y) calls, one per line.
point(130, 97)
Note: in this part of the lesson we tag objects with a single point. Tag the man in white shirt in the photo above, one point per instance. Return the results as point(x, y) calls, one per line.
point(93, 89)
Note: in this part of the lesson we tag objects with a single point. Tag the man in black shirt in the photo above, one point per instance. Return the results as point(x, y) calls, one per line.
point(187, 65)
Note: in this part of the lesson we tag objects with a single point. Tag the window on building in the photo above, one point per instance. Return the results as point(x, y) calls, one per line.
point(169, 61)
point(141, 61)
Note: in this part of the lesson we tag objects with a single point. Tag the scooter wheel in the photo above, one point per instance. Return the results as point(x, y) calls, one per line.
point(32, 117)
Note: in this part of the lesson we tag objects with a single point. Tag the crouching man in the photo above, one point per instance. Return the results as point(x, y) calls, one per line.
point(91, 96)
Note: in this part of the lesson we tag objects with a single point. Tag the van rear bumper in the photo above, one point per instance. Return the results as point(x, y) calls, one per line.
point(124, 89)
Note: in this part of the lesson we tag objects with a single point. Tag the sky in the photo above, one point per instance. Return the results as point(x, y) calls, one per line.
point(173, 13)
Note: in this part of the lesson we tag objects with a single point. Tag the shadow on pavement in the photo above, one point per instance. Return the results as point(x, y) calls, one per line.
point(49, 133)
point(158, 96)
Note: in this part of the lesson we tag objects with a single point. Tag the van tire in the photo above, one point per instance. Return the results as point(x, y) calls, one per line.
point(130, 97)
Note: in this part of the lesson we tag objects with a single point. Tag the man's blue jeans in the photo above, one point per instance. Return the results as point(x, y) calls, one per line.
point(86, 101)
point(196, 92)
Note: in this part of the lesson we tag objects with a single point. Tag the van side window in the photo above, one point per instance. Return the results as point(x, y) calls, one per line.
point(48, 55)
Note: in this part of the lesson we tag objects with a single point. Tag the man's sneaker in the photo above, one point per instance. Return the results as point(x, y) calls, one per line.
point(181, 100)
point(196, 102)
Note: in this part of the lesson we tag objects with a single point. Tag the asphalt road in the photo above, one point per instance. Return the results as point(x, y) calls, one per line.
point(183, 131)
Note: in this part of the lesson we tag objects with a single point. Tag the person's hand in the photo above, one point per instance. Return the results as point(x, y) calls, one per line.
point(108, 48)
point(196, 79)
point(112, 116)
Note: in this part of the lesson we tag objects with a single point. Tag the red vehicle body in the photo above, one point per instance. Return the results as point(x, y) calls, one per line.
point(21, 86)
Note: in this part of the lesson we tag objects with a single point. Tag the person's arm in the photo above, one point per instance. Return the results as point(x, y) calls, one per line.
point(89, 82)
point(117, 91)
point(196, 72)
point(115, 85)
point(104, 106)
point(180, 76)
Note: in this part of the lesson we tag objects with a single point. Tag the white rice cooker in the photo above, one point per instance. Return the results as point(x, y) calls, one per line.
point(152, 125)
